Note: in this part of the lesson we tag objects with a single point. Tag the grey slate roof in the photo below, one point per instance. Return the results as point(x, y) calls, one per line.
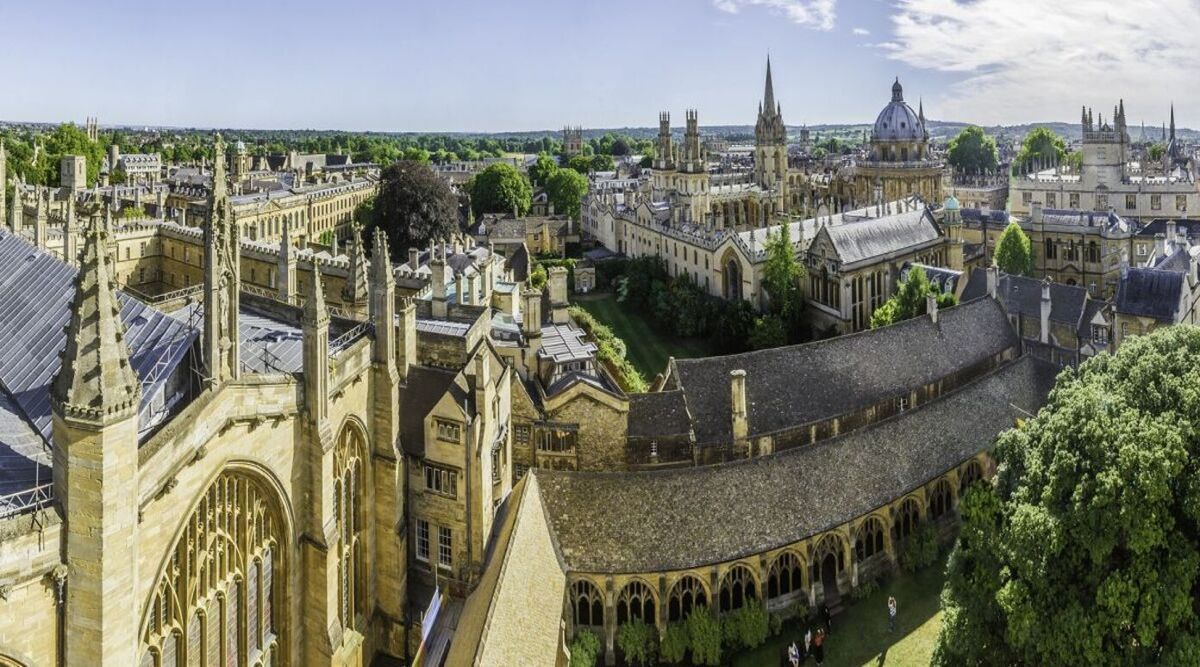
point(36, 289)
point(878, 237)
point(658, 414)
point(794, 385)
point(423, 389)
point(664, 520)
point(1023, 296)
point(1150, 293)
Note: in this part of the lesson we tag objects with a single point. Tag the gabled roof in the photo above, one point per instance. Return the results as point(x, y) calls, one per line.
point(873, 238)
point(424, 388)
point(787, 387)
point(1150, 293)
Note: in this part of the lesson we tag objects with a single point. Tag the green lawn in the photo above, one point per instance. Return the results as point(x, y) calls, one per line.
point(860, 635)
point(648, 349)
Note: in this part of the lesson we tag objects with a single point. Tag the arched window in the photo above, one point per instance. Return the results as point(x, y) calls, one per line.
point(972, 473)
point(687, 594)
point(348, 457)
point(908, 517)
point(217, 589)
point(587, 604)
point(940, 499)
point(784, 575)
point(869, 540)
point(737, 586)
point(636, 601)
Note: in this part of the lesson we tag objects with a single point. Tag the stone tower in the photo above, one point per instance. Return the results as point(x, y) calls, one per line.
point(770, 143)
point(221, 280)
point(72, 172)
point(95, 400)
point(354, 292)
point(572, 141)
point(692, 191)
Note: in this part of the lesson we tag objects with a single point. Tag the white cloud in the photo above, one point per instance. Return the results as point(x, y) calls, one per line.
point(861, 31)
point(818, 14)
point(1029, 60)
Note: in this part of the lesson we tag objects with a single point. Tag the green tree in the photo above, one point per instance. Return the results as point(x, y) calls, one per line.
point(637, 642)
point(118, 176)
point(704, 632)
point(971, 151)
point(542, 169)
point(1014, 251)
point(909, 300)
point(603, 163)
point(1041, 145)
point(566, 189)
point(1156, 151)
point(581, 164)
point(585, 649)
point(414, 206)
point(538, 277)
point(782, 274)
point(500, 189)
point(1086, 550)
point(768, 332)
point(674, 646)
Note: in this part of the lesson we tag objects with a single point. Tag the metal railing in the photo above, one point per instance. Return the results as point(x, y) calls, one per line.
point(345, 340)
point(21, 501)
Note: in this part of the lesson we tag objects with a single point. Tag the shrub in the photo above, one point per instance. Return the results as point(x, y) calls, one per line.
point(920, 550)
point(675, 643)
point(610, 350)
point(636, 639)
point(747, 627)
point(538, 277)
point(768, 332)
point(585, 649)
point(704, 632)
point(865, 590)
point(776, 624)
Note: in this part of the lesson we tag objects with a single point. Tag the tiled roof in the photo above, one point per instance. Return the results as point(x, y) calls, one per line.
point(1150, 293)
point(1023, 296)
point(651, 521)
point(794, 385)
point(658, 414)
point(424, 388)
point(879, 237)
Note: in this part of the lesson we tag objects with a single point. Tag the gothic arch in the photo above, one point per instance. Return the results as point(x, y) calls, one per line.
point(686, 594)
point(221, 588)
point(10, 660)
point(350, 482)
point(869, 539)
point(587, 604)
point(972, 472)
point(831, 544)
point(737, 587)
point(731, 276)
point(636, 601)
point(941, 499)
point(785, 575)
point(906, 519)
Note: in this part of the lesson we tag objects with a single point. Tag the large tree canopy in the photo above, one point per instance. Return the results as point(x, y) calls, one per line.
point(566, 189)
point(972, 151)
point(1014, 251)
point(500, 189)
point(414, 206)
point(1087, 549)
point(1041, 145)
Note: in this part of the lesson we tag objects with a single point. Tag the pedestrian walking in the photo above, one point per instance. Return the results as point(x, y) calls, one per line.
point(807, 641)
point(793, 655)
point(819, 646)
point(827, 617)
point(891, 614)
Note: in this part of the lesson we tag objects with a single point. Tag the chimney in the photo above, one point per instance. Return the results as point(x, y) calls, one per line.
point(1160, 245)
point(931, 307)
point(414, 258)
point(406, 348)
point(483, 383)
point(531, 326)
point(737, 386)
point(1172, 234)
point(437, 278)
point(1045, 333)
point(1035, 212)
point(993, 277)
point(558, 295)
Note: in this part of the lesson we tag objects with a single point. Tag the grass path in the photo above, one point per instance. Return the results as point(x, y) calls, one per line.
point(860, 635)
point(648, 349)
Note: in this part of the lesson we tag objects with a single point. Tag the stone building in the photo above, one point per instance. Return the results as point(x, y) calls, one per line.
point(898, 158)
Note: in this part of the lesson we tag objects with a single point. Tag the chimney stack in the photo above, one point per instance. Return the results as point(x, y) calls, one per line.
point(993, 277)
point(740, 425)
point(931, 307)
point(437, 277)
point(414, 258)
point(558, 295)
point(531, 325)
point(1045, 333)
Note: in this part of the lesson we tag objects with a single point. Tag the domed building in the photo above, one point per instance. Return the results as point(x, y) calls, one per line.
point(898, 163)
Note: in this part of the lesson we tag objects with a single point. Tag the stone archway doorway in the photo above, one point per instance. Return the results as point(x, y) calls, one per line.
point(829, 584)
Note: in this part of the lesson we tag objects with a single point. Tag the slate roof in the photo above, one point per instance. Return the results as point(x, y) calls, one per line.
point(1148, 292)
point(879, 237)
point(650, 521)
point(658, 414)
point(790, 386)
point(36, 289)
point(1159, 226)
point(424, 388)
point(1023, 296)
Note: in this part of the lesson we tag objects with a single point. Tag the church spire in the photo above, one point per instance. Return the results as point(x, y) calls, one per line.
point(769, 90)
point(96, 384)
point(1172, 120)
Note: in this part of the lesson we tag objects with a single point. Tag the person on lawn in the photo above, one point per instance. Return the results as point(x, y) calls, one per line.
point(891, 614)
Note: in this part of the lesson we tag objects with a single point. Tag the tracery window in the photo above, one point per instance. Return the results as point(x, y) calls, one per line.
point(869, 540)
point(940, 500)
point(687, 594)
point(908, 517)
point(215, 601)
point(971, 474)
point(348, 465)
point(784, 575)
point(737, 586)
point(636, 601)
point(587, 604)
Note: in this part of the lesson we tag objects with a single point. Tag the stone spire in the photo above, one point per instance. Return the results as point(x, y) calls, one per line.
point(355, 289)
point(96, 385)
point(16, 216)
point(315, 327)
point(221, 279)
point(41, 218)
point(769, 90)
point(1172, 121)
point(285, 274)
point(383, 300)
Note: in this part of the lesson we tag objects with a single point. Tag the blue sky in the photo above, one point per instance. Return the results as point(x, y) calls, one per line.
point(487, 65)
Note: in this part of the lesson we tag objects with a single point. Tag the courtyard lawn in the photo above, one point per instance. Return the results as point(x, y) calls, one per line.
point(648, 349)
point(860, 635)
